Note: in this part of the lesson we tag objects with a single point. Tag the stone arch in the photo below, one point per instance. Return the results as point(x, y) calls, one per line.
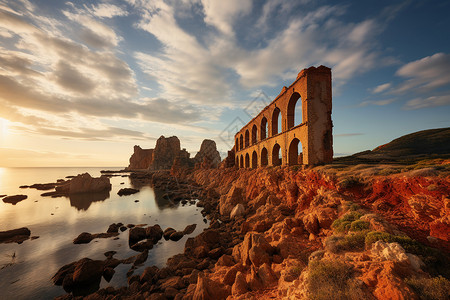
point(276, 117)
point(247, 138)
point(241, 142)
point(254, 160)
point(276, 153)
point(254, 134)
point(264, 157)
point(241, 162)
point(247, 160)
point(237, 144)
point(295, 155)
point(264, 129)
point(294, 119)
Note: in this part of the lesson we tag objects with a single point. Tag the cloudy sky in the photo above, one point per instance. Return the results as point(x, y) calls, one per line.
point(81, 82)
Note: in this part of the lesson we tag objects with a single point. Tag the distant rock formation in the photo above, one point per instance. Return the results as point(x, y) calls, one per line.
point(208, 155)
point(141, 158)
point(168, 153)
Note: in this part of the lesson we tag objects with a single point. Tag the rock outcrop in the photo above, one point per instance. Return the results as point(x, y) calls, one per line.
point(208, 154)
point(141, 158)
point(168, 154)
point(85, 183)
point(14, 199)
point(15, 235)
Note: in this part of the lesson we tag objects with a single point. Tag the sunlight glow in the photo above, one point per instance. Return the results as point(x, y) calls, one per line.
point(4, 125)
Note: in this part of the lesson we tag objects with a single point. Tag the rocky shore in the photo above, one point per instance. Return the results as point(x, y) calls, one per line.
point(363, 232)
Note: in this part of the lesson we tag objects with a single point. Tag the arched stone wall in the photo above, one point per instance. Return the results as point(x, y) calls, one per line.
point(313, 89)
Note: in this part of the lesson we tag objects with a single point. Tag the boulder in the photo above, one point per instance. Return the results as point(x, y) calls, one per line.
point(189, 229)
point(388, 251)
point(84, 183)
point(209, 289)
point(15, 235)
point(168, 232)
point(14, 199)
point(87, 270)
point(230, 200)
point(237, 212)
point(127, 191)
point(136, 234)
point(154, 233)
point(83, 238)
point(240, 285)
point(176, 236)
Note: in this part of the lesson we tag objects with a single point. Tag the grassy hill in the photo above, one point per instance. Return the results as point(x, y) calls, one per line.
point(410, 148)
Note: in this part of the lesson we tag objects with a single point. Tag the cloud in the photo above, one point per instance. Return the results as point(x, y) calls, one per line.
point(432, 101)
point(381, 88)
point(94, 33)
point(222, 14)
point(71, 79)
point(90, 134)
point(377, 102)
point(106, 10)
point(425, 74)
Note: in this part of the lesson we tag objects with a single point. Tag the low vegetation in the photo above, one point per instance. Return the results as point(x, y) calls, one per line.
point(437, 288)
point(331, 280)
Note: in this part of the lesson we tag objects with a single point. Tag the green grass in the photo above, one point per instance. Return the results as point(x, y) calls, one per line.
point(437, 288)
point(351, 242)
point(359, 225)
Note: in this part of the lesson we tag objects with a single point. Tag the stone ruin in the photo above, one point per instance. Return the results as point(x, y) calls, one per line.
point(168, 153)
point(304, 138)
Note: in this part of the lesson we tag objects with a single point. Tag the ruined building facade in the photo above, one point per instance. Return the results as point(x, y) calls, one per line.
point(304, 138)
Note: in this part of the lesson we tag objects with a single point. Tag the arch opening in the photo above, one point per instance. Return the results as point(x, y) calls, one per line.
point(254, 160)
point(264, 157)
point(247, 138)
point(241, 162)
point(295, 153)
point(237, 144)
point(276, 155)
point(276, 120)
point(294, 111)
point(264, 129)
point(237, 161)
point(241, 142)
point(254, 134)
point(247, 161)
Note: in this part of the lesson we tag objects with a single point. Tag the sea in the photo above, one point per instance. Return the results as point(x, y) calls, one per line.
point(26, 269)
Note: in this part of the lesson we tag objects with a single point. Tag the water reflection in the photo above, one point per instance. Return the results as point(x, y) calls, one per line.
point(161, 201)
point(83, 201)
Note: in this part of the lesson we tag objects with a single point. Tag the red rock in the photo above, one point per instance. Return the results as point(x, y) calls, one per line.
point(440, 228)
point(207, 289)
point(189, 229)
point(141, 159)
point(311, 223)
point(208, 155)
point(240, 285)
point(87, 270)
point(266, 275)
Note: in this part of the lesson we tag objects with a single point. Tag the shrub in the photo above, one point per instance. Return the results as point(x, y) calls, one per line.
point(354, 207)
point(349, 182)
point(359, 225)
point(430, 288)
point(350, 242)
point(331, 280)
point(343, 224)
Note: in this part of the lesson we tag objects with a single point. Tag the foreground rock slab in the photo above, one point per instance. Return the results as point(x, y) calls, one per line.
point(15, 235)
point(14, 199)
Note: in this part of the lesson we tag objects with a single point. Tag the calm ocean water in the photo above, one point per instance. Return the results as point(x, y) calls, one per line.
point(27, 268)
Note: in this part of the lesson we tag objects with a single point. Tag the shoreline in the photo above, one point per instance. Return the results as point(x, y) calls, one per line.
point(255, 253)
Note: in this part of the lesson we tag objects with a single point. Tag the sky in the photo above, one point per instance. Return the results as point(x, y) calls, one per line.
point(82, 82)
